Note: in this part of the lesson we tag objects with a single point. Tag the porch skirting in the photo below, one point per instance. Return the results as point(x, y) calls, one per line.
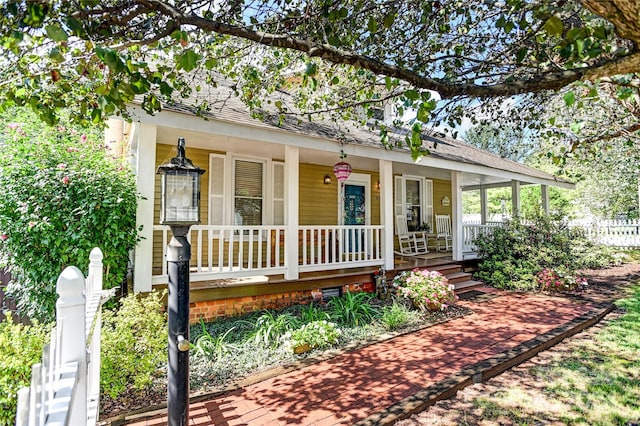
point(208, 310)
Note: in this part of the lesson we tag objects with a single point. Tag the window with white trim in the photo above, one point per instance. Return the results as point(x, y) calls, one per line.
point(245, 191)
point(413, 198)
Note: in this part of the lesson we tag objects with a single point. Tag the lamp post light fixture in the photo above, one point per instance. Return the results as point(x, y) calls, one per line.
point(180, 208)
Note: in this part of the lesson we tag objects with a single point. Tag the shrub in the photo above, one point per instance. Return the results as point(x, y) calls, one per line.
point(513, 254)
point(559, 280)
point(62, 195)
point(427, 290)
point(316, 334)
point(353, 309)
point(395, 316)
point(20, 348)
point(134, 343)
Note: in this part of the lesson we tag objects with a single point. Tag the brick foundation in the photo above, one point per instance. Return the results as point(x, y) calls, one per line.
point(212, 309)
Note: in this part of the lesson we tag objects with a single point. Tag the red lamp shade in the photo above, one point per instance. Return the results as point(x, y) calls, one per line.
point(342, 171)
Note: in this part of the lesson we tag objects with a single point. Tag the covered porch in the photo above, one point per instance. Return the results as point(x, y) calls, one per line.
point(271, 206)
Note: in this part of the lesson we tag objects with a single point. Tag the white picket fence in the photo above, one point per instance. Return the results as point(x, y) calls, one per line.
point(613, 233)
point(65, 387)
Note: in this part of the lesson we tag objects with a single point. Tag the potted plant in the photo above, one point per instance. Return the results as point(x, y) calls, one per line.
point(427, 290)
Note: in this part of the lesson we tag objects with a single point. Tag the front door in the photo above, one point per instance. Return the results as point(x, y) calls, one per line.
point(354, 213)
point(354, 208)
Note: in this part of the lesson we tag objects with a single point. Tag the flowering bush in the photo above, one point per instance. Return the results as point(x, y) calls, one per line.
point(316, 334)
point(559, 280)
point(426, 289)
point(62, 195)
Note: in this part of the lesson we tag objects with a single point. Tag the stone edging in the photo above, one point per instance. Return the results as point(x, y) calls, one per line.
point(485, 370)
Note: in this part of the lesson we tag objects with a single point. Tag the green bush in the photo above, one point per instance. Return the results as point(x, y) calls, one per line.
point(316, 334)
point(20, 348)
point(513, 254)
point(353, 309)
point(62, 195)
point(134, 344)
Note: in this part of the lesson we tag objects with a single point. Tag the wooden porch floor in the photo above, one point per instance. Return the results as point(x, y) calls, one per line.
point(402, 263)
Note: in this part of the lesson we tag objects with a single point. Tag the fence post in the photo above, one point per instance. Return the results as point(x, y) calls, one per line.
point(71, 322)
point(94, 285)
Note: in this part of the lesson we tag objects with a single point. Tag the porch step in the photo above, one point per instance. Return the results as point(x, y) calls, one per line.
point(458, 277)
point(468, 285)
point(450, 268)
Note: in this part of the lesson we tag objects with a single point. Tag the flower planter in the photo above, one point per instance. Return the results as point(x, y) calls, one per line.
point(301, 349)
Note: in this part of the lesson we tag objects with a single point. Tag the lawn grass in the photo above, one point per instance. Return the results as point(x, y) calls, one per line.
point(596, 382)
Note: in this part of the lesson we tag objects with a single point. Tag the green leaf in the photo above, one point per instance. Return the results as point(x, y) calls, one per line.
point(554, 26)
point(508, 27)
point(412, 94)
point(96, 115)
point(36, 13)
point(372, 25)
point(56, 33)
point(423, 114)
point(389, 19)
point(188, 60)
point(569, 98)
point(387, 82)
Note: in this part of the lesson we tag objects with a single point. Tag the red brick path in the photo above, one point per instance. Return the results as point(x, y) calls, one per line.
point(357, 384)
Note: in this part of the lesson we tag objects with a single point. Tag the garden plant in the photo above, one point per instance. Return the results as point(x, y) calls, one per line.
point(20, 347)
point(62, 195)
point(427, 290)
point(514, 254)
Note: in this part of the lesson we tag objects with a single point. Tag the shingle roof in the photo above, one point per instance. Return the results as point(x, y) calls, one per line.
point(224, 105)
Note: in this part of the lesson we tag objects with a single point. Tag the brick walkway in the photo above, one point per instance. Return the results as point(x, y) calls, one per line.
point(360, 383)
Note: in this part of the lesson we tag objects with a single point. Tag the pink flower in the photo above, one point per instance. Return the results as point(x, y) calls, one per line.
point(72, 149)
point(31, 224)
point(65, 180)
point(4, 237)
point(13, 126)
point(62, 166)
point(83, 138)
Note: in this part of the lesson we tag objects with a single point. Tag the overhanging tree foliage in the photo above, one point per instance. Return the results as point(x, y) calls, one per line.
point(441, 59)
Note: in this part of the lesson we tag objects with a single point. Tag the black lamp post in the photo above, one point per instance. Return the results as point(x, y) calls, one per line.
point(180, 209)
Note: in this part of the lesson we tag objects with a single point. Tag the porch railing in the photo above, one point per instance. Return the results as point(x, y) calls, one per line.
point(472, 231)
point(220, 252)
point(65, 387)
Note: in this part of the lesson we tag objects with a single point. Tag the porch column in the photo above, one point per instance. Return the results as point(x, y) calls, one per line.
point(515, 198)
point(544, 195)
point(291, 201)
point(484, 206)
point(143, 150)
point(385, 168)
point(456, 219)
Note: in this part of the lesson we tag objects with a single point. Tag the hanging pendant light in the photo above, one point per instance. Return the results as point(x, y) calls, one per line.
point(342, 170)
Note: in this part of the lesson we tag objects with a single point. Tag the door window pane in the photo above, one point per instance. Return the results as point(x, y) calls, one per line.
point(413, 204)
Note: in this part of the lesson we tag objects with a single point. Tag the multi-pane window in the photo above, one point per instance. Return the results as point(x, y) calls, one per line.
point(245, 191)
point(414, 199)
